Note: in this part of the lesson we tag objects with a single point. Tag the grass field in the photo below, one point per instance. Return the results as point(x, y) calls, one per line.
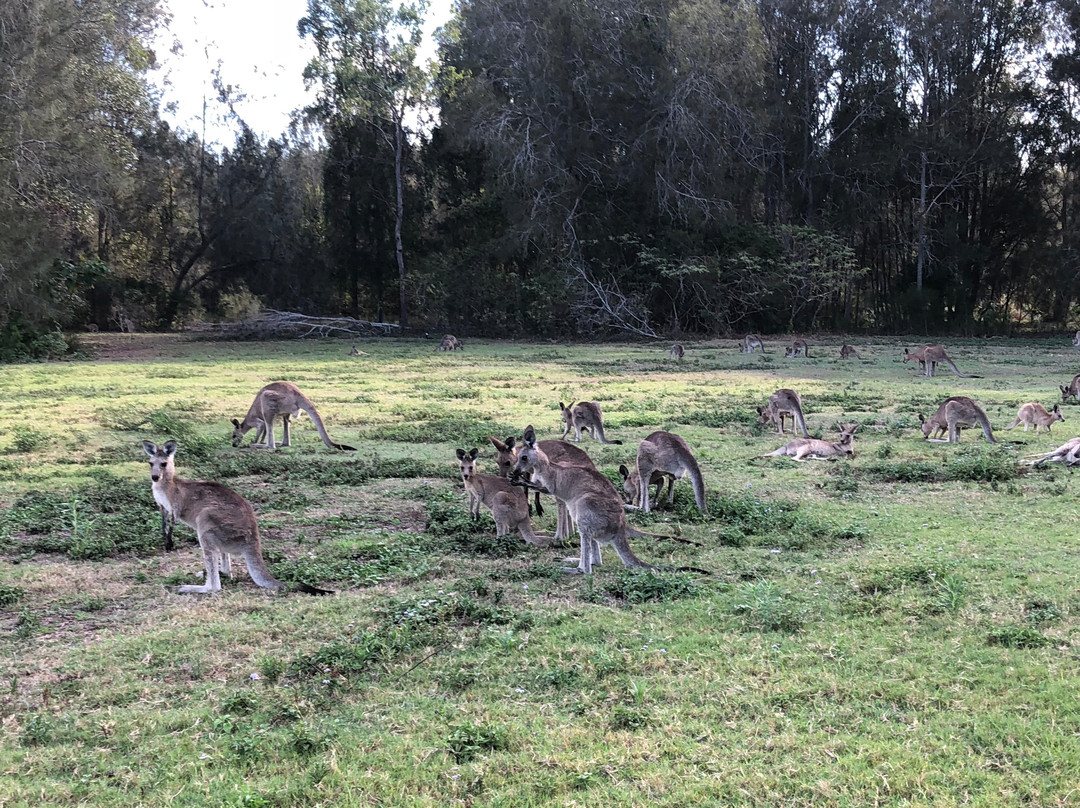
point(890, 629)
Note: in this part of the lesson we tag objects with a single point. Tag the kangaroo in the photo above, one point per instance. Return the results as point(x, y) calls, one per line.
point(286, 400)
point(223, 520)
point(586, 415)
point(591, 500)
point(802, 448)
point(677, 352)
point(1068, 451)
point(450, 343)
point(558, 451)
point(783, 402)
point(662, 455)
point(1076, 339)
point(751, 341)
point(1034, 413)
point(929, 356)
point(509, 506)
point(956, 412)
point(357, 352)
point(797, 347)
point(847, 352)
point(1072, 391)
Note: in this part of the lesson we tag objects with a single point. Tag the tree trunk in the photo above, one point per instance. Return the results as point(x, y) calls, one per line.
point(399, 250)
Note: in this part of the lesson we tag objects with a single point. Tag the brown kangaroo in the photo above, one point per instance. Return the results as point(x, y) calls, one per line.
point(676, 352)
point(1036, 414)
point(847, 352)
point(662, 456)
point(585, 416)
point(508, 504)
point(1072, 391)
point(751, 341)
point(929, 356)
point(286, 400)
point(799, 346)
point(783, 402)
point(802, 448)
point(956, 412)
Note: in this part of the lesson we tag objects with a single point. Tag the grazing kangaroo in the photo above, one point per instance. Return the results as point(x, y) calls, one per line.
point(286, 400)
point(847, 352)
point(956, 412)
point(450, 343)
point(1072, 391)
point(751, 341)
point(929, 356)
point(662, 455)
point(509, 505)
point(802, 448)
point(783, 402)
point(1035, 413)
point(586, 415)
point(1068, 451)
point(1076, 339)
point(223, 520)
point(797, 347)
point(591, 499)
point(676, 352)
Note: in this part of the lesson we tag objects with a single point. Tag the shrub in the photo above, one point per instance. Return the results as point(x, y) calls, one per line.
point(467, 741)
point(1017, 637)
point(10, 594)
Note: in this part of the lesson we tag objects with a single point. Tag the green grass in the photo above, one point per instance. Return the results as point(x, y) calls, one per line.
point(889, 629)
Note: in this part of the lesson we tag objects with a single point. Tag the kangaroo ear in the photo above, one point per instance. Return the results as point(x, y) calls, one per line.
point(624, 472)
point(1056, 408)
point(474, 453)
point(921, 419)
point(561, 406)
point(235, 423)
point(460, 454)
point(530, 436)
point(498, 444)
point(149, 447)
point(170, 448)
point(510, 442)
point(760, 410)
point(1062, 389)
point(905, 351)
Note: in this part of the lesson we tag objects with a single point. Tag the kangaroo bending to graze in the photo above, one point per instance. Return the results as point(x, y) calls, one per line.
point(929, 356)
point(677, 352)
point(956, 412)
point(509, 505)
point(799, 346)
point(661, 456)
point(286, 400)
point(783, 402)
point(1072, 391)
point(222, 519)
point(586, 415)
point(591, 500)
point(847, 352)
point(1068, 451)
point(1036, 414)
point(450, 343)
point(751, 341)
point(802, 448)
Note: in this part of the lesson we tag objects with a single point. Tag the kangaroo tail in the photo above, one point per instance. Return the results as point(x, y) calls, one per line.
point(259, 572)
point(802, 421)
point(316, 419)
point(308, 589)
point(699, 486)
point(987, 431)
point(603, 438)
point(956, 370)
point(637, 534)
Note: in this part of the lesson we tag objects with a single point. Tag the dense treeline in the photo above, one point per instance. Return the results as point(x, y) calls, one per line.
point(631, 165)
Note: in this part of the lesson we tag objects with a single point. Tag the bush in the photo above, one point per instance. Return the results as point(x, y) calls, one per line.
point(467, 741)
point(1018, 637)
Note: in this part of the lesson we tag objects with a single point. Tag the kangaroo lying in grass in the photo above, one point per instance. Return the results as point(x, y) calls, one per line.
point(802, 448)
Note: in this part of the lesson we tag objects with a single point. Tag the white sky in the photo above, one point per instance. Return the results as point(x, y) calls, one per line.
point(260, 54)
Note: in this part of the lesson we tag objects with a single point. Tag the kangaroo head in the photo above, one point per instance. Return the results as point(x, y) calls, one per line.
point(505, 457)
point(630, 484)
point(529, 455)
point(161, 459)
point(908, 355)
point(1056, 413)
point(238, 432)
point(467, 462)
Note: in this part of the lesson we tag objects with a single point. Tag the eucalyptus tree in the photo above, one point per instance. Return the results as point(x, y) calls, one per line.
point(371, 97)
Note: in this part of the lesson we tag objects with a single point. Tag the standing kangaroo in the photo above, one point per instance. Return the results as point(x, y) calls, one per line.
point(223, 520)
point(590, 498)
point(801, 448)
point(797, 347)
point(1072, 391)
point(662, 455)
point(677, 352)
point(847, 352)
point(286, 400)
point(956, 412)
point(509, 505)
point(558, 451)
point(783, 402)
point(1037, 414)
point(751, 341)
point(929, 356)
point(1076, 339)
point(586, 415)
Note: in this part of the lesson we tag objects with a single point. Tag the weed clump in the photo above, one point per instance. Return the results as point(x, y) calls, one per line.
point(468, 741)
point(11, 594)
point(762, 606)
point(1014, 636)
point(644, 586)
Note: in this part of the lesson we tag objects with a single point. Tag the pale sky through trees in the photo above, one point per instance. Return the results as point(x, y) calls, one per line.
point(261, 56)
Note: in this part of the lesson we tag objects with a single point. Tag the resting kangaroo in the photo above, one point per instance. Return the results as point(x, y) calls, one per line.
point(783, 402)
point(797, 347)
point(509, 505)
point(1035, 413)
point(676, 352)
point(801, 448)
point(1072, 391)
point(751, 341)
point(286, 400)
point(662, 455)
point(586, 415)
point(846, 352)
point(956, 412)
point(1068, 451)
point(929, 356)
point(558, 451)
point(223, 520)
point(591, 500)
